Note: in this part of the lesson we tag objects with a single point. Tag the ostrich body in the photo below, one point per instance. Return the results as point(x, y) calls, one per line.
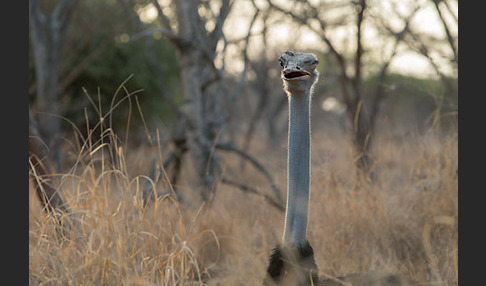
point(292, 262)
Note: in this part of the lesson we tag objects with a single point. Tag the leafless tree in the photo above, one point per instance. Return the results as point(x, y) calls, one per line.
point(47, 35)
point(428, 45)
point(362, 109)
point(195, 28)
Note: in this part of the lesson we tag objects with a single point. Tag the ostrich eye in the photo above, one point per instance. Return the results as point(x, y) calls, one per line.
point(313, 64)
point(281, 62)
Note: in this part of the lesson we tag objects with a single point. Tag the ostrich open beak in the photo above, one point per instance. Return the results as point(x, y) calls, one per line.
point(295, 74)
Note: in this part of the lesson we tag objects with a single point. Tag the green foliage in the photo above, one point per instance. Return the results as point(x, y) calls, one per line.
point(117, 63)
point(99, 55)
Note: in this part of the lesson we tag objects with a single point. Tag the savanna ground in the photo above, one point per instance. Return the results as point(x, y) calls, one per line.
point(406, 222)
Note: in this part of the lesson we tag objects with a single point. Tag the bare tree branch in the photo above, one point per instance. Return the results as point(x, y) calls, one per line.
point(398, 38)
point(248, 189)
point(150, 32)
point(241, 83)
point(176, 39)
point(163, 19)
point(450, 38)
point(360, 6)
point(256, 164)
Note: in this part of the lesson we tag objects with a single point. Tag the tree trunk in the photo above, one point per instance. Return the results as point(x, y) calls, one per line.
point(195, 64)
point(41, 170)
point(47, 38)
point(197, 128)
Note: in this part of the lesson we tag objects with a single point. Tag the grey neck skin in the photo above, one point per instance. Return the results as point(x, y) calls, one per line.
point(298, 168)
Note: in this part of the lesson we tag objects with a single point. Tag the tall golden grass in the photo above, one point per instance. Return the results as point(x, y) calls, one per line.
point(405, 222)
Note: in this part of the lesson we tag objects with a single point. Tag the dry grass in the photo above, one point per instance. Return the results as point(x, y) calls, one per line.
point(405, 223)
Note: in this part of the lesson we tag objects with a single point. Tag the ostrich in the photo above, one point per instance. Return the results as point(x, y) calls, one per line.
point(292, 262)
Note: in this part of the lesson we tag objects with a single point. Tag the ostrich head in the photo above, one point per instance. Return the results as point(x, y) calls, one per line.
point(299, 72)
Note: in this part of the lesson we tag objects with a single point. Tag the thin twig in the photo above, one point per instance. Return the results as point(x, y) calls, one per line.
point(256, 164)
point(248, 189)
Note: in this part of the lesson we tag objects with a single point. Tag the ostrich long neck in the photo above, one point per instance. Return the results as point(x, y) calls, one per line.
point(298, 168)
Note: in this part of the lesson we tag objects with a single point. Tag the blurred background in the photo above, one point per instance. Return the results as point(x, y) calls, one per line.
point(209, 69)
point(184, 83)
